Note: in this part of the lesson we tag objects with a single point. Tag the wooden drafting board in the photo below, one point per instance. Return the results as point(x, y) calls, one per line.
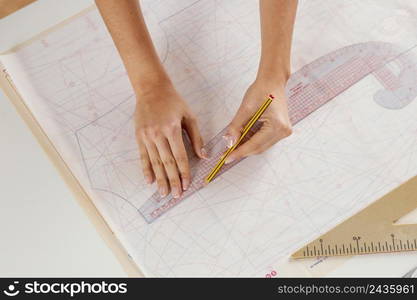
point(82, 197)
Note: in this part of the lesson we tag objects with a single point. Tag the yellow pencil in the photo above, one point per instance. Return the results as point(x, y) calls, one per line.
point(246, 129)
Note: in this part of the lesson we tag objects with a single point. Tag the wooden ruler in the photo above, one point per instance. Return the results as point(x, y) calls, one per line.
point(372, 230)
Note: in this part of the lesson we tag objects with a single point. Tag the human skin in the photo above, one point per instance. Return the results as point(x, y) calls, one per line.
point(161, 113)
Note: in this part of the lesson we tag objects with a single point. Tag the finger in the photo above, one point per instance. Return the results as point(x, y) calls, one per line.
point(158, 168)
point(170, 166)
point(235, 127)
point(258, 143)
point(191, 126)
point(178, 150)
point(145, 163)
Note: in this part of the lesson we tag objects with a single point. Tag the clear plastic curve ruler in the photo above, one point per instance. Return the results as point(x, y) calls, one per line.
point(308, 89)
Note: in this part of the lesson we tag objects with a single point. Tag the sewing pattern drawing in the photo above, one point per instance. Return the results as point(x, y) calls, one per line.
point(344, 155)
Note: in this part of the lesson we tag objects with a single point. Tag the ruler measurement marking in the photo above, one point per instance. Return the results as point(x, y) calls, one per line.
point(359, 248)
point(362, 60)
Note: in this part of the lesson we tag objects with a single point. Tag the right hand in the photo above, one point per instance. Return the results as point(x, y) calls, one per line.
point(160, 117)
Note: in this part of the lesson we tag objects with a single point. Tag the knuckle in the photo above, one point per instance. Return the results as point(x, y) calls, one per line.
point(161, 182)
point(174, 182)
point(256, 149)
point(146, 172)
point(233, 129)
point(172, 128)
point(182, 160)
point(185, 175)
point(157, 163)
point(139, 132)
point(286, 130)
point(169, 162)
point(144, 161)
point(152, 132)
point(192, 118)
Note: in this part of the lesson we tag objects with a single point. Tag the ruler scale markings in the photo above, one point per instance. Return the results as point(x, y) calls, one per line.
point(384, 236)
point(348, 65)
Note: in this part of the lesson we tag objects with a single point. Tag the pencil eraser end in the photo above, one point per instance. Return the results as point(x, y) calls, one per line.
point(270, 96)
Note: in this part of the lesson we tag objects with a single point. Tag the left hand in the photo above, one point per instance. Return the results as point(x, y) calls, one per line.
point(276, 124)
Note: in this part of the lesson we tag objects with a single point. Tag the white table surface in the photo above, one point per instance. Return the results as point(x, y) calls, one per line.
point(43, 230)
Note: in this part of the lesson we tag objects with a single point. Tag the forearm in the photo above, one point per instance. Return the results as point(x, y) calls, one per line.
point(277, 22)
point(127, 27)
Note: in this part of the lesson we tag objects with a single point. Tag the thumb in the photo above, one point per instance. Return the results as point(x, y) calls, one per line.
point(190, 125)
point(235, 127)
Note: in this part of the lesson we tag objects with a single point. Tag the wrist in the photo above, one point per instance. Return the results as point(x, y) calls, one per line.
point(151, 83)
point(271, 79)
point(274, 76)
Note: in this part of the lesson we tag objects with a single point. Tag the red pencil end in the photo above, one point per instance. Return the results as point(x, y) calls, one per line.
point(270, 96)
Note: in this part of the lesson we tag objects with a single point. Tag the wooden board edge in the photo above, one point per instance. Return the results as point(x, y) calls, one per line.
point(72, 182)
point(8, 7)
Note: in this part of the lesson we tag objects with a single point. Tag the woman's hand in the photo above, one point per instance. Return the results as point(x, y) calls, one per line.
point(160, 117)
point(277, 21)
point(276, 124)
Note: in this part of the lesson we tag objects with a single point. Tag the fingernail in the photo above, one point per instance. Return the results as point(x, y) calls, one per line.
point(162, 191)
point(185, 184)
point(176, 192)
point(148, 180)
point(229, 160)
point(229, 140)
point(204, 153)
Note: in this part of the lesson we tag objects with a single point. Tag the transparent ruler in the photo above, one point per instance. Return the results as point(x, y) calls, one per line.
point(308, 89)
